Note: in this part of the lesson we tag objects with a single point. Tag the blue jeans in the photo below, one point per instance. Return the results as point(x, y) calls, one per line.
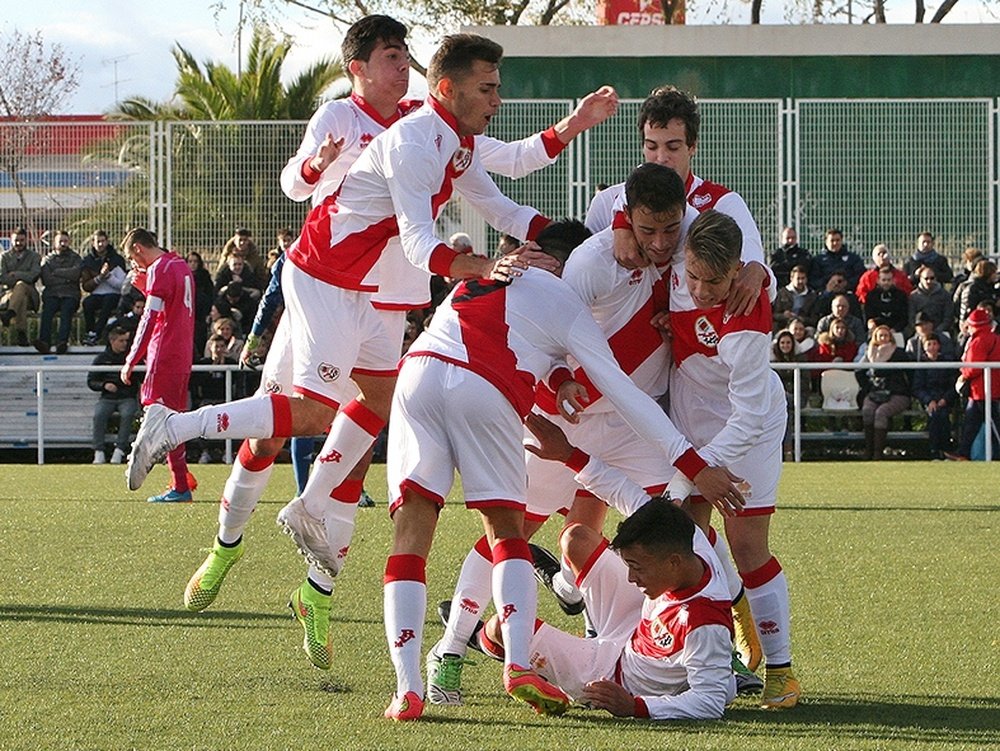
point(97, 309)
point(105, 408)
point(64, 307)
point(975, 415)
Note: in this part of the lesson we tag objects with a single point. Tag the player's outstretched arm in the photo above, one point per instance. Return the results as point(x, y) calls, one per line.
point(592, 110)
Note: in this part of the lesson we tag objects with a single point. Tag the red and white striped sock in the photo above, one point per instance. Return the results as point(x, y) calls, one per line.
point(242, 492)
point(515, 597)
point(405, 604)
point(352, 433)
point(767, 592)
point(472, 592)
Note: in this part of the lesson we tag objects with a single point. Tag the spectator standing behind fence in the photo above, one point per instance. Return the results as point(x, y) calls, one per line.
point(887, 304)
point(115, 396)
point(983, 346)
point(925, 255)
point(789, 255)
point(932, 301)
point(60, 293)
point(836, 257)
point(163, 339)
point(881, 256)
point(102, 273)
point(885, 392)
point(20, 268)
point(935, 389)
point(794, 300)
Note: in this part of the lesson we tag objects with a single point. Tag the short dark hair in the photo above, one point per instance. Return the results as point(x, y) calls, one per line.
point(885, 269)
point(658, 526)
point(932, 337)
point(716, 240)
point(665, 103)
point(139, 236)
point(458, 53)
point(101, 233)
point(363, 35)
point(654, 187)
point(801, 268)
point(19, 231)
point(833, 231)
point(560, 238)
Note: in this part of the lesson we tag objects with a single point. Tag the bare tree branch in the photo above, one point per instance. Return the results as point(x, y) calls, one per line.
point(943, 10)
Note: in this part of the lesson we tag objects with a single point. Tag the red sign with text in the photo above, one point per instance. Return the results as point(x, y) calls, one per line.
point(639, 12)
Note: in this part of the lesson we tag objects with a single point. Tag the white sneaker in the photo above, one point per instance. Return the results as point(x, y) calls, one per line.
point(444, 677)
point(118, 457)
point(205, 458)
point(152, 443)
point(309, 535)
point(99, 458)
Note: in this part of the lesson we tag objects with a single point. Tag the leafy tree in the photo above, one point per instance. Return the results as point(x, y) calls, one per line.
point(36, 81)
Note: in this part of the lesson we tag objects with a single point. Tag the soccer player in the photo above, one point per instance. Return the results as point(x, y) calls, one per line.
point(727, 401)
point(375, 54)
point(164, 339)
point(465, 386)
point(624, 304)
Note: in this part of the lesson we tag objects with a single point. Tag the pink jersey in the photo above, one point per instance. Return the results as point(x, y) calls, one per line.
point(165, 337)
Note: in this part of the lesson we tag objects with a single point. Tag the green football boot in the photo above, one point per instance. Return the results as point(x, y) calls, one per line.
point(204, 586)
point(312, 610)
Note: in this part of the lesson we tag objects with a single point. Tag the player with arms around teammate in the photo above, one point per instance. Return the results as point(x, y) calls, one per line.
point(726, 400)
point(164, 339)
point(465, 386)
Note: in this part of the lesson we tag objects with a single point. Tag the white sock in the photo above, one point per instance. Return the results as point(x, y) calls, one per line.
point(242, 492)
point(767, 593)
point(515, 596)
point(405, 605)
point(352, 433)
point(472, 592)
point(339, 519)
point(721, 549)
point(253, 417)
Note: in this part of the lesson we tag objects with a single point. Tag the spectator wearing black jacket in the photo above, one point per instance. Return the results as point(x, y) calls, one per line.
point(936, 391)
point(115, 396)
point(789, 255)
point(887, 304)
point(925, 255)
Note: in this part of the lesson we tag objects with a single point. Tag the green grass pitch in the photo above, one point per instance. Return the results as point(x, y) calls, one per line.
point(894, 570)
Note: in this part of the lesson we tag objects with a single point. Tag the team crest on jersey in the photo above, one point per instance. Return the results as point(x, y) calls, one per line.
point(701, 200)
point(706, 333)
point(660, 634)
point(461, 160)
point(271, 386)
point(328, 373)
point(635, 278)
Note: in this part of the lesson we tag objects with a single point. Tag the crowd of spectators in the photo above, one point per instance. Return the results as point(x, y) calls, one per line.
point(831, 308)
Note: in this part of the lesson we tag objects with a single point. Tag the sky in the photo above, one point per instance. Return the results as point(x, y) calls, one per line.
point(124, 48)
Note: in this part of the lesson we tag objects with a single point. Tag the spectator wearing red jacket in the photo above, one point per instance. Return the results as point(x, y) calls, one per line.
point(983, 346)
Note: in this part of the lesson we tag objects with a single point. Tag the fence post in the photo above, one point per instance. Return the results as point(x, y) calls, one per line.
point(988, 412)
point(40, 404)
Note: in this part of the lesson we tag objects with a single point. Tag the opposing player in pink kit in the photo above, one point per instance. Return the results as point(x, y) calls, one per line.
point(375, 53)
point(164, 339)
point(726, 400)
point(465, 386)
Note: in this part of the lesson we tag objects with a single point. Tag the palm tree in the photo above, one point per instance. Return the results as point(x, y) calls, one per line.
point(215, 92)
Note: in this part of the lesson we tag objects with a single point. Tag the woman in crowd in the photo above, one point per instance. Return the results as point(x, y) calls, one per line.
point(885, 392)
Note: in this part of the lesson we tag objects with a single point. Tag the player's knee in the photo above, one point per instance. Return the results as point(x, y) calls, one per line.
point(262, 447)
point(311, 416)
point(577, 543)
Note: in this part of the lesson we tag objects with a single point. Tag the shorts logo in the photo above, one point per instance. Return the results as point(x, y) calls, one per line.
point(469, 605)
point(768, 627)
point(461, 160)
point(508, 611)
point(331, 456)
point(271, 386)
point(405, 635)
point(328, 373)
point(706, 333)
point(222, 422)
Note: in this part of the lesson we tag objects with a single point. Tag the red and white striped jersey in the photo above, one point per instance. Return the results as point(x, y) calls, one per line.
point(678, 659)
point(514, 335)
point(354, 120)
point(701, 195)
point(397, 188)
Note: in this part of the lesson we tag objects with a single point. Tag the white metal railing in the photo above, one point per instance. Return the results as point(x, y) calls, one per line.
point(41, 370)
point(798, 367)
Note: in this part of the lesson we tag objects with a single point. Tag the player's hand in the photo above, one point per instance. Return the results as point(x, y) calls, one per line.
point(246, 355)
point(125, 374)
point(627, 252)
point(327, 152)
point(571, 400)
point(552, 442)
point(746, 289)
point(596, 107)
point(611, 697)
point(661, 321)
point(718, 486)
point(509, 267)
